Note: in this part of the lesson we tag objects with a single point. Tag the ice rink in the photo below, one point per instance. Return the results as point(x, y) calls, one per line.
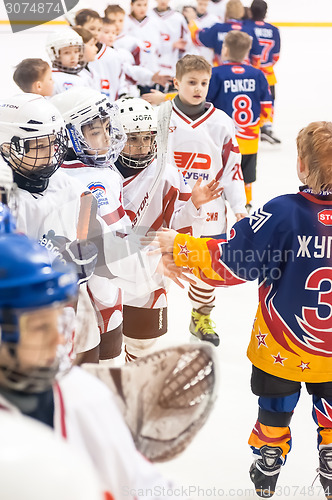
point(216, 464)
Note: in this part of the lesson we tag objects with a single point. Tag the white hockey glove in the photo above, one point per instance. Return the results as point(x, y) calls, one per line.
point(165, 397)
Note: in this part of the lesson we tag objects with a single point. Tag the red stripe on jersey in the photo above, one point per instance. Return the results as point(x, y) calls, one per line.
point(128, 181)
point(184, 196)
point(136, 53)
point(186, 230)
point(102, 52)
point(104, 313)
point(181, 115)
point(205, 117)
point(167, 210)
point(58, 392)
point(73, 165)
point(226, 151)
point(114, 216)
point(313, 198)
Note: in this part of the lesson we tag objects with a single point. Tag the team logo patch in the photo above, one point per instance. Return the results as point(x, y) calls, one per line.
point(325, 217)
point(238, 70)
point(258, 219)
point(190, 161)
point(99, 192)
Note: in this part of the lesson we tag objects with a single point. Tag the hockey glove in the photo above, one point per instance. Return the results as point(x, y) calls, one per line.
point(84, 255)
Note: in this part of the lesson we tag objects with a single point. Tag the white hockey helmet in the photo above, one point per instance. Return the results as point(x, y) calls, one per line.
point(36, 464)
point(93, 125)
point(33, 138)
point(57, 40)
point(137, 116)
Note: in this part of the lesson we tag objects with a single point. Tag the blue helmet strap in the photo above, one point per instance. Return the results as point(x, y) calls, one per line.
point(74, 139)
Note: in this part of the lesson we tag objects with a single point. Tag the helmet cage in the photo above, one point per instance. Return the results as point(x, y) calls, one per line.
point(50, 150)
point(54, 53)
point(139, 161)
point(108, 123)
point(15, 375)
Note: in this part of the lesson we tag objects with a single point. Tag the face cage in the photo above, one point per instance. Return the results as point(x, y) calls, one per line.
point(73, 71)
point(20, 148)
point(37, 379)
point(139, 161)
point(83, 149)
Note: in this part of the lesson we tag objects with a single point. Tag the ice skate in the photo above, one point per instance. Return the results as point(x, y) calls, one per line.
point(201, 325)
point(325, 470)
point(267, 135)
point(264, 472)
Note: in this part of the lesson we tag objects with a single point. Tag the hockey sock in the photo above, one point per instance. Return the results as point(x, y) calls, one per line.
point(248, 189)
point(136, 348)
point(272, 436)
point(201, 295)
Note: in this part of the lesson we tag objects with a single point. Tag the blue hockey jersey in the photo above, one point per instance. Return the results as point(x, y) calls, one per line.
point(269, 39)
point(214, 36)
point(287, 246)
point(242, 92)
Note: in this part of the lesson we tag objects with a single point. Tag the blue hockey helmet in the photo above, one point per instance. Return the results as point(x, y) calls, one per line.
point(28, 283)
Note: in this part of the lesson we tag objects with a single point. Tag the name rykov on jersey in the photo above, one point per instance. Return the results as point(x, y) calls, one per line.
point(245, 85)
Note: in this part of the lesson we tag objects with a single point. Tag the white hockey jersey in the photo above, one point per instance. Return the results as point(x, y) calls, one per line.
point(218, 8)
point(171, 206)
point(106, 186)
point(173, 27)
point(51, 217)
point(108, 73)
point(207, 148)
point(206, 21)
point(148, 32)
point(87, 416)
point(64, 81)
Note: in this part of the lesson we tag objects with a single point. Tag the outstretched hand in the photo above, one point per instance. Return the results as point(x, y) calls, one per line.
point(168, 268)
point(155, 97)
point(203, 194)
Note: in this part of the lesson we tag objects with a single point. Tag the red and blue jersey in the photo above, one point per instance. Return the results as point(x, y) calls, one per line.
point(287, 247)
point(269, 39)
point(214, 36)
point(242, 92)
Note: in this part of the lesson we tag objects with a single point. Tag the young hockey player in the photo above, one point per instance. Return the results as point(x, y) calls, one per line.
point(65, 48)
point(59, 212)
point(202, 144)
point(78, 406)
point(213, 37)
point(115, 71)
point(243, 93)
point(142, 26)
point(35, 76)
point(286, 245)
point(171, 205)
point(96, 140)
point(107, 67)
point(175, 35)
point(269, 39)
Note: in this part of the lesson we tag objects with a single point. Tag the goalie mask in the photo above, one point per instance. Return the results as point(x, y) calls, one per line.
point(35, 338)
point(93, 125)
point(65, 48)
point(33, 139)
point(139, 122)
